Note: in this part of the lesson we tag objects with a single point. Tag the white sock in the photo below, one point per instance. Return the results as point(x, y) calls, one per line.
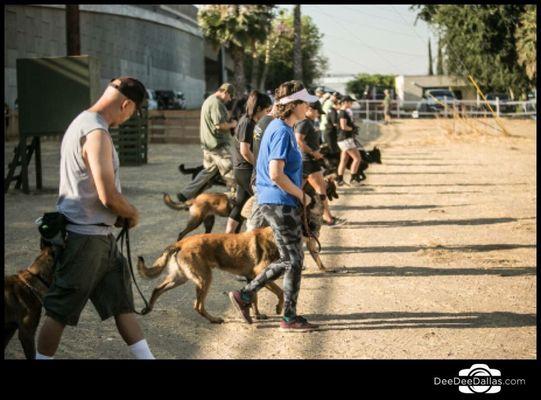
point(42, 357)
point(141, 351)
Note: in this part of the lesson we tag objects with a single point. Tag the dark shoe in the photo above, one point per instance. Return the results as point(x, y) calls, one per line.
point(299, 324)
point(240, 305)
point(181, 198)
point(339, 182)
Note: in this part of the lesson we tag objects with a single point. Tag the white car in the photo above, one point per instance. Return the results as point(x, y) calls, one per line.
point(152, 102)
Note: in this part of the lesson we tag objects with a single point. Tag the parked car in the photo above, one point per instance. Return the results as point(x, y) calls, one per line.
point(152, 102)
point(166, 100)
point(180, 100)
point(432, 101)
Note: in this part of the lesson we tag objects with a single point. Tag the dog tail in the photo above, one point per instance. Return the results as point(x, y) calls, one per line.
point(159, 264)
point(173, 204)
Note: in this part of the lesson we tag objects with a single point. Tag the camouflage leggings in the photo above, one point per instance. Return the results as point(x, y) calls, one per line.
point(286, 225)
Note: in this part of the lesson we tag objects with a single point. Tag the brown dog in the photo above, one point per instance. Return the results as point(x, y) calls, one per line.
point(202, 210)
point(23, 298)
point(244, 254)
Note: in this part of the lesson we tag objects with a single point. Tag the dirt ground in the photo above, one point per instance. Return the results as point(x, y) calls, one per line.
point(439, 255)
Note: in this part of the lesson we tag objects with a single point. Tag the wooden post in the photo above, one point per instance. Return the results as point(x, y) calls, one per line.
point(367, 110)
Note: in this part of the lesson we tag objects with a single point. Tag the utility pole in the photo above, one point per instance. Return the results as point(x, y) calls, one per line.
point(73, 37)
point(297, 49)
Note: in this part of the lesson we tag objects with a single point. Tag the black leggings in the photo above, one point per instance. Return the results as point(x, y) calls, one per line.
point(244, 192)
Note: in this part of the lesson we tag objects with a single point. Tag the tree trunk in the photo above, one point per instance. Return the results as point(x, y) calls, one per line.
point(263, 79)
point(237, 53)
point(430, 71)
point(73, 38)
point(439, 63)
point(255, 71)
point(297, 50)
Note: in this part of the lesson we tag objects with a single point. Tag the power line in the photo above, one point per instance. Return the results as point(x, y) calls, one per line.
point(364, 25)
point(360, 41)
point(380, 49)
point(350, 59)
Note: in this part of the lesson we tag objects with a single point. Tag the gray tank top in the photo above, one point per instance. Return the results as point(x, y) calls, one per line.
point(78, 198)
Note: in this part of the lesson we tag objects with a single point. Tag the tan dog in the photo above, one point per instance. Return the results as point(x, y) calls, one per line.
point(202, 210)
point(245, 254)
point(23, 298)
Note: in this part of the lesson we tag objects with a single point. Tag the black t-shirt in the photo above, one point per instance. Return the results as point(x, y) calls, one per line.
point(259, 130)
point(311, 137)
point(332, 120)
point(343, 135)
point(243, 133)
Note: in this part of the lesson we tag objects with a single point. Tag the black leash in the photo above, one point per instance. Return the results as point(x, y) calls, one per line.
point(307, 225)
point(124, 236)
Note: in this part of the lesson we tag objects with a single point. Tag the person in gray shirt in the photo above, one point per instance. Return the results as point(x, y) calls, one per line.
point(91, 266)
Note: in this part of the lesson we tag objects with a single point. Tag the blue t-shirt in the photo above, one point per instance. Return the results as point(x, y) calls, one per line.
point(278, 143)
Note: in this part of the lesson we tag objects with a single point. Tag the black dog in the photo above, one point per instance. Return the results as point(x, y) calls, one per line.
point(216, 180)
point(331, 160)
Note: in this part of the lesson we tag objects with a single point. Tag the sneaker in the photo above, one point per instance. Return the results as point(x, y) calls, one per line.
point(181, 198)
point(299, 324)
point(240, 305)
point(339, 182)
point(336, 221)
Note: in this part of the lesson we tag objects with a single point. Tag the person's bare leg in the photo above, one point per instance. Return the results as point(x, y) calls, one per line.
point(231, 225)
point(131, 332)
point(318, 183)
point(343, 162)
point(129, 328)
point(49, 336)
point(356, 156)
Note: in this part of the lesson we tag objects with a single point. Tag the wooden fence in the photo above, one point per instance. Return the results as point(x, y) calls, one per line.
point(174, 126)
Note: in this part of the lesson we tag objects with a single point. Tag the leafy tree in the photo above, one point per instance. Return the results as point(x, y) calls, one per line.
point(479, 39)
point(526, 39)
point(238, 27)
point(276, 54)
point(365, 81)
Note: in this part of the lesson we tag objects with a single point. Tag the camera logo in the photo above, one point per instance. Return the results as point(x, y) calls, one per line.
point(480, 379)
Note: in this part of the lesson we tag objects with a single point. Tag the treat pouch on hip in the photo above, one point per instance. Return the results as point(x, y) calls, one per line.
point(52, 227)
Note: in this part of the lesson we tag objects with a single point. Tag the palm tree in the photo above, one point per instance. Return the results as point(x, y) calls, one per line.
point(297, 49)
point(239, 27)
point(526, 38)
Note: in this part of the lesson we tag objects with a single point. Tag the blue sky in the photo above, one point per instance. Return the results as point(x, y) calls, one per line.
point(372, 38)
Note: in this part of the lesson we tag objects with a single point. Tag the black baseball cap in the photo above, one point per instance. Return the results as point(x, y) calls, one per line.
point(316, 105)
point(132, 88)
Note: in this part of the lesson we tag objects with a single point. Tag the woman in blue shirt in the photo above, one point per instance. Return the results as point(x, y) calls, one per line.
point(280, 197)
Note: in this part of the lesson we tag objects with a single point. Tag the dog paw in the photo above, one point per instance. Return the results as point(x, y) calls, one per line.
point(261, 316)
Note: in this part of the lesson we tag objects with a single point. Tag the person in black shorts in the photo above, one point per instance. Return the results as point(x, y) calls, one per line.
point(257, 105)
point(346, 143)
point(308, 139)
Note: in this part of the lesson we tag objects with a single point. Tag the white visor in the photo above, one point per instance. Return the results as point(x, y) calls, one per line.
point(301, 95)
